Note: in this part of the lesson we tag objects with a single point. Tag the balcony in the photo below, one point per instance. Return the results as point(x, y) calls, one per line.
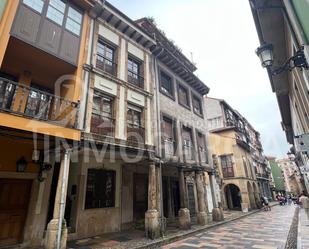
point(169, 148)
point(135, 135)
point(32, 103)
point(135, 79)
point(203, 156)
point(188, 151)
point(101, 125)
point(106, 65)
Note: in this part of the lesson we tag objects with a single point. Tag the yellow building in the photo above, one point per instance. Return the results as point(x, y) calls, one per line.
point(42, 53)
point(231, 147)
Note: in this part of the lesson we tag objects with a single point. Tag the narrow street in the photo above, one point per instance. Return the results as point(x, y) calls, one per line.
point(263, 230)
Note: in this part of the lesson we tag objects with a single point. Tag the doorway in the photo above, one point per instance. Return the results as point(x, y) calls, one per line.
point(140, 193)
point(14, 201)
point(233, 197)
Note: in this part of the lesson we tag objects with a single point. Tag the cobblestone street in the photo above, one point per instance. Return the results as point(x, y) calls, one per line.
point(263, 230)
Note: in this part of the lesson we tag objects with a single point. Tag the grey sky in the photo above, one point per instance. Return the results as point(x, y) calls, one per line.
point(222, 37)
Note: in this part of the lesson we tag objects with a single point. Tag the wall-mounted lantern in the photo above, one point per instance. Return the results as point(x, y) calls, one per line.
point(266, 55)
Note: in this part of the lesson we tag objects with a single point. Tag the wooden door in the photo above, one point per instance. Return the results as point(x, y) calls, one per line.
point(191, 199)
point(140, 193)
point(14, 200)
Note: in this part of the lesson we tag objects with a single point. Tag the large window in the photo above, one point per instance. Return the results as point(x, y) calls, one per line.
point(100, 192)
point(227, 165)
point(197, 105)
point(166, 84)
point(135, 72)
point(201, 143)
point(168, 136)
point(183, 96)
point(106, 57)
point(187, 143)
point(135, 125)
point(74, 21)
point(102, 121)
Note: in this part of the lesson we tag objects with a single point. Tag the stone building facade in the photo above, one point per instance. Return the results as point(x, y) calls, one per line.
point(284, 26)
point(233, 144)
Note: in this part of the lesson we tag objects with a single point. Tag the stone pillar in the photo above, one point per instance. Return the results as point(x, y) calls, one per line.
point(59, 208)
point(201, 215)
point(184, 213)
point(217, 212)
point(152, 226)
point(158, 190)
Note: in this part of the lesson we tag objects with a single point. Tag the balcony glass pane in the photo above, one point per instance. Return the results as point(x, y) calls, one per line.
point(36, 5)
point(55, 11)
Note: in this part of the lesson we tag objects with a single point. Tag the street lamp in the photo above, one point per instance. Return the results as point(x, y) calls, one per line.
point(265, 53)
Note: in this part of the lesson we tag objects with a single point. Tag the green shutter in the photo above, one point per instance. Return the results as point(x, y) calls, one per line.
point(301, 8)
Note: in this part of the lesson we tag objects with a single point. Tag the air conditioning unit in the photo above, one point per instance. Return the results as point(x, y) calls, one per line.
point(302, 143)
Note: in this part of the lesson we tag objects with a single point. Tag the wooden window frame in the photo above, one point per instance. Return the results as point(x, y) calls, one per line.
point(229, 165)
point(186, 89)
point(168, 94)
point(200, 100)
point(140, 71)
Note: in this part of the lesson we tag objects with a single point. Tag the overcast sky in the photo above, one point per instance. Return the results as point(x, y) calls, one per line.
point(222, 37)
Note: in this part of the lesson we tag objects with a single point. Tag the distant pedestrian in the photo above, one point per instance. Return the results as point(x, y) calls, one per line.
point(289, 199)
point(265, 203)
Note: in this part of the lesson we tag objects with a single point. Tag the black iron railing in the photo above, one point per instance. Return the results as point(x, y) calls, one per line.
point(135, 79)
point(102, 125)
point(169, 147)
point(106, 65)
point(188, 151)
point(37, 104)
point(135, 135)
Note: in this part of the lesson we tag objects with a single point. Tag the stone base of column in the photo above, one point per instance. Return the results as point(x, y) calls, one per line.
point(202, 218)
point(51, 235)
point(217, 214)
point(152, 225)
point(245, 207)
point(184, 218)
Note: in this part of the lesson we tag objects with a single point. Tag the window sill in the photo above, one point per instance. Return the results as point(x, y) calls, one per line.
point(198, 114)
point(167, 95)
point(185, 106)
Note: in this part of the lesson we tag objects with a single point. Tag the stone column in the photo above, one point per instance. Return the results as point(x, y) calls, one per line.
point(158, 190)
point(152, 226)
point(201, 215)
point(59, 208)
point(184, 213)
point(217, 212)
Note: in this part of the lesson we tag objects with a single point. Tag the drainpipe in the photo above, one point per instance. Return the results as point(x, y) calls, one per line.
point(98, 9)
point(159, 131)
point(62, 196)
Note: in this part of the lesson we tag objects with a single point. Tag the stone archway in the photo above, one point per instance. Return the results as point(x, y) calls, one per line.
point(232, 196)
point(251, 196)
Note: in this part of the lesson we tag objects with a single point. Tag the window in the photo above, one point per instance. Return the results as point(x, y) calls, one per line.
point(74, 21)
point(168, 136)
point(197, 105)
point(102, 121)
point(106, 57)
point(134, 123)
point(55, 11)
point(227, 166)
point(36, 5)
point(187, 143)
point(100, 191)
point(183, 96)
point(166, 84)
point(134, 72)
point(201, 143)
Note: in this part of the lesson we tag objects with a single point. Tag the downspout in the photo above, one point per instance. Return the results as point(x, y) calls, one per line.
point(62, 196)
point(89, 58)
point(155, 65)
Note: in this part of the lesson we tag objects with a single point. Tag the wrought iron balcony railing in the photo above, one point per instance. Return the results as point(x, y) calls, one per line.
point(102, 125)
point(36, 104)
point(188, 152)
point(106, 65)
point(169, 147)
point(135, 135)
point(135, 79)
